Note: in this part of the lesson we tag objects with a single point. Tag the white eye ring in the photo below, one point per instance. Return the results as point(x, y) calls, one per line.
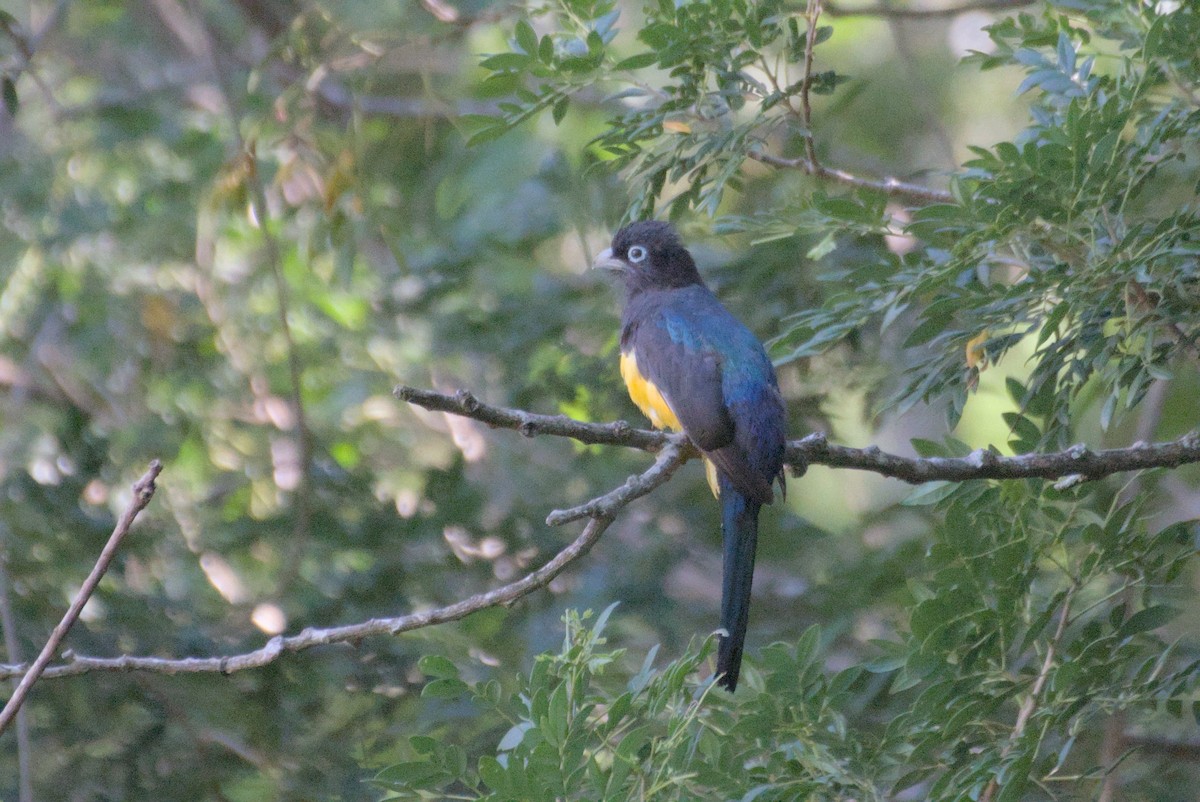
point(638, 254)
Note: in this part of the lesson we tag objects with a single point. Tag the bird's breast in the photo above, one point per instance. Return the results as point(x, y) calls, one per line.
point(648, 398)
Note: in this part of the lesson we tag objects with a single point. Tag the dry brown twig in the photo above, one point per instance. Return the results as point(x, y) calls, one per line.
point(924, 12)
point(811, 165)
point(143, 491)
point(671, 450)
point(601, 514)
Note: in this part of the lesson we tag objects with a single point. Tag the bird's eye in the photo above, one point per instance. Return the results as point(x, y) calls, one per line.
point(637, 253)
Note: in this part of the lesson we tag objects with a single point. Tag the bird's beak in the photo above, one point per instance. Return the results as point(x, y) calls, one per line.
point(606, 261)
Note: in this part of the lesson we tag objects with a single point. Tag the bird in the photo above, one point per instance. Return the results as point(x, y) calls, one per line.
point(691, 366)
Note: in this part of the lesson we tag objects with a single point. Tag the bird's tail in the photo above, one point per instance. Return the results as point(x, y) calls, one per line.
point(739, 529)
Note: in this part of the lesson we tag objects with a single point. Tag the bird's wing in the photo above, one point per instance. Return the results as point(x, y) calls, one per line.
point(717, 382)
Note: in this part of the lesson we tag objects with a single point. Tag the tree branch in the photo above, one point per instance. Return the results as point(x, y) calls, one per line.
point(143, 491)
point(810, 146)
point(275, 648)
point(530, 424)
point(673, 450)
point(811, 165)
point(887, 185)
point(898, 12)
point(1077, 461)
point(675, 453)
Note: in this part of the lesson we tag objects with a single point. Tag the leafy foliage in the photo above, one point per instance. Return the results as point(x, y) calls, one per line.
point(228, 231)
point(728, 88)
point(666, 734)
point(1079, 235)
point(1011, 612)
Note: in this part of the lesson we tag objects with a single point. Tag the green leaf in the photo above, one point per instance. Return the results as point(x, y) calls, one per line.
point(493, 774)
point(930, 493)
point(437, 666)
point(444, 689)
point(636, 62)
point(807, 646)
point(527, 40)
point(497, 130)
point(1107, 411)
point(424, 745)
point(559, 110)
point(506, 61)
point(602, 619)
point(558, 718)
point(826, 246)
point(1147, 619)
point(9, 89)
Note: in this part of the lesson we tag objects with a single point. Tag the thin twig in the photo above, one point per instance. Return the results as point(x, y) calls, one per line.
point(904, 12)
point(143, 491)
point(669, 459)
point(813, 449)
point(1035, 691)
point(12, 649)
point(810, 147)
point(811, 165)
point(27, 47)
point(887, 185)
point(816, 450)
point(464, 403)
point(810, 42)
point(278, 646)
point(675, 451)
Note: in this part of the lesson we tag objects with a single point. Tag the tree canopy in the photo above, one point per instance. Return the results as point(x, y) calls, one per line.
point(326, 262)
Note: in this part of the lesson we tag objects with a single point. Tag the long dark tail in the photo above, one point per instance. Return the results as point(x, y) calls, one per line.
point(739, 529)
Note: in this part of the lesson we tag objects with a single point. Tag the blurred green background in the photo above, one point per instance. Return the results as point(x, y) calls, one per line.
point(179, 179)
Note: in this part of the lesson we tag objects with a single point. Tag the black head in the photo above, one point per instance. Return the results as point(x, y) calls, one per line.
point(649, 255)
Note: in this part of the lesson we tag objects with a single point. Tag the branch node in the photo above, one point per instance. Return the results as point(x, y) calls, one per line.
point(1079, 451)
point(528, 428)
point(981, 458)
point(468, 401)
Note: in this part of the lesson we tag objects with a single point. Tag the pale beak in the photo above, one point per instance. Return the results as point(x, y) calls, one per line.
point(606, 261)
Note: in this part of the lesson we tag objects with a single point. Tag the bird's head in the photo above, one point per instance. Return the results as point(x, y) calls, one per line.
point(648, 255)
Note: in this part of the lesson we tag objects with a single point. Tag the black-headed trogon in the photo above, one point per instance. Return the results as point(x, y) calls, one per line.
point(690, 365)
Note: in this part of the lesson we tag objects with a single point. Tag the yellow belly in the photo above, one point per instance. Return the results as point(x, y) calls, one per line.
point(647, 397)
point(654, 406)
